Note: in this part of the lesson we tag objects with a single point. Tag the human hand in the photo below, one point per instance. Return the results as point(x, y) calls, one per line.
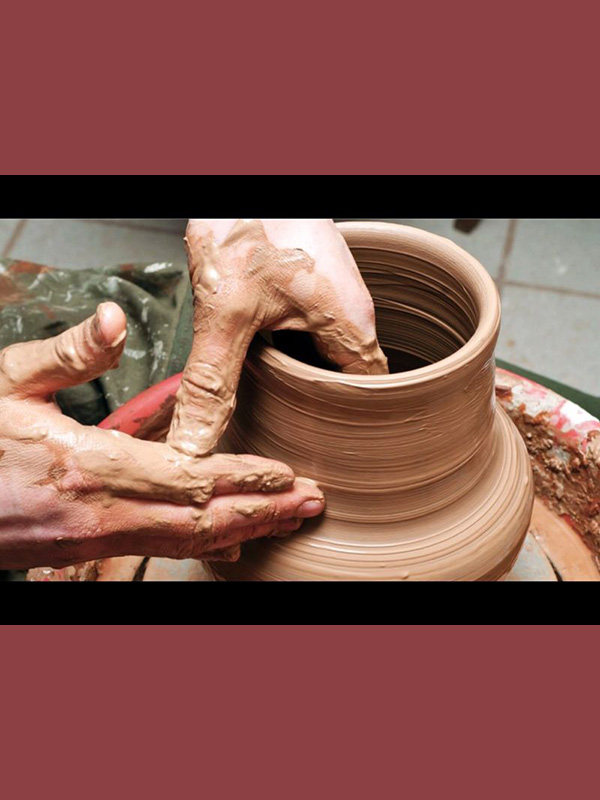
point(251, 275)
point(71, 493)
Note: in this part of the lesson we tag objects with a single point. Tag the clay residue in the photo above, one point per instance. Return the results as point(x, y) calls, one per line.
point(566, 475)
point(77, 573)
point(241, 286)
point(156, 426)
point(10, 292)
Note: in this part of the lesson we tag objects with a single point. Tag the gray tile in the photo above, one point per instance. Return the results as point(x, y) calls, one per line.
point(553, 334)
point(7, 228)
point(486, 242)
point(562, 253)
point(72, 244)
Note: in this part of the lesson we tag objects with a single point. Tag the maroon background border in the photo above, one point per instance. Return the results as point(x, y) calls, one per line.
point(318, 88)
point(299, 711)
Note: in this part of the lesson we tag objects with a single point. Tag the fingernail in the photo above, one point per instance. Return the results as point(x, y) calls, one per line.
point(100, 330)
point(311, 508)
point(116, 342)
point(98, 326)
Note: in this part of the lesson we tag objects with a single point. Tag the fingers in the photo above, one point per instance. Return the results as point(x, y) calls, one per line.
point(224, 523)
point(224, 324)
point(227, 513)
point(345, 333)
point(307, 280)
point(355, 352)
point(77, 356)
point(113, 462)
point(226, 317)
point(206, 397)
point(247, 473)
point(146, 528)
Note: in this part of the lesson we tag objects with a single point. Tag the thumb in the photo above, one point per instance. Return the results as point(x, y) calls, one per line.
point(78, 355)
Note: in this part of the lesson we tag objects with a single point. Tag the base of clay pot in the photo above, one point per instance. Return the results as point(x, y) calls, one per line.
point(477, 537)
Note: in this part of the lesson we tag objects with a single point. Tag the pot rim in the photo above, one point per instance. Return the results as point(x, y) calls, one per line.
point(421, 244)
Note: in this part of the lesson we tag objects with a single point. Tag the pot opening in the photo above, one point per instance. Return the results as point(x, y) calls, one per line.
point(300, 346)
point(424, 313)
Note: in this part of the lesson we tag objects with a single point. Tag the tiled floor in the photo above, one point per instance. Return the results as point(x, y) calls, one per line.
point(77, 244)
point(548, 272)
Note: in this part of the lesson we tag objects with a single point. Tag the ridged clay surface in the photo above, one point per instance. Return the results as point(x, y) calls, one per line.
point(425, 478)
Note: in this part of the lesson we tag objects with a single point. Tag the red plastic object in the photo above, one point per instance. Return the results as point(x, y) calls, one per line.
point(129, 418)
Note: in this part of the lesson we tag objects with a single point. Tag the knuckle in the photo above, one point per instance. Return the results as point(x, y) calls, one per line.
point(11, 366)
point(66, 353)
point(73, 483)
point(268, 512)
point(242, 308)
point(201, 378)
point(203, 490)
point(203, 524)
point(263, 476)
point(258, 512)
point(275, 482)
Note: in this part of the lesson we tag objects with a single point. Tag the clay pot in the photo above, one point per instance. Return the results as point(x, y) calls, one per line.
point(426, 478)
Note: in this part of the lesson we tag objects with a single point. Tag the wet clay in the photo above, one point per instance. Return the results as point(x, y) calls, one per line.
point(241, 286)
point(565, 458)
point(425, 477)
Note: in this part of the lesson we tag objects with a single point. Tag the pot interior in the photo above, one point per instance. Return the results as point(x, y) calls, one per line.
point(424, 313)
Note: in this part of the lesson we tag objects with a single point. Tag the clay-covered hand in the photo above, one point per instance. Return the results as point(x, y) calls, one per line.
point(251, 275)
point(70, 493)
